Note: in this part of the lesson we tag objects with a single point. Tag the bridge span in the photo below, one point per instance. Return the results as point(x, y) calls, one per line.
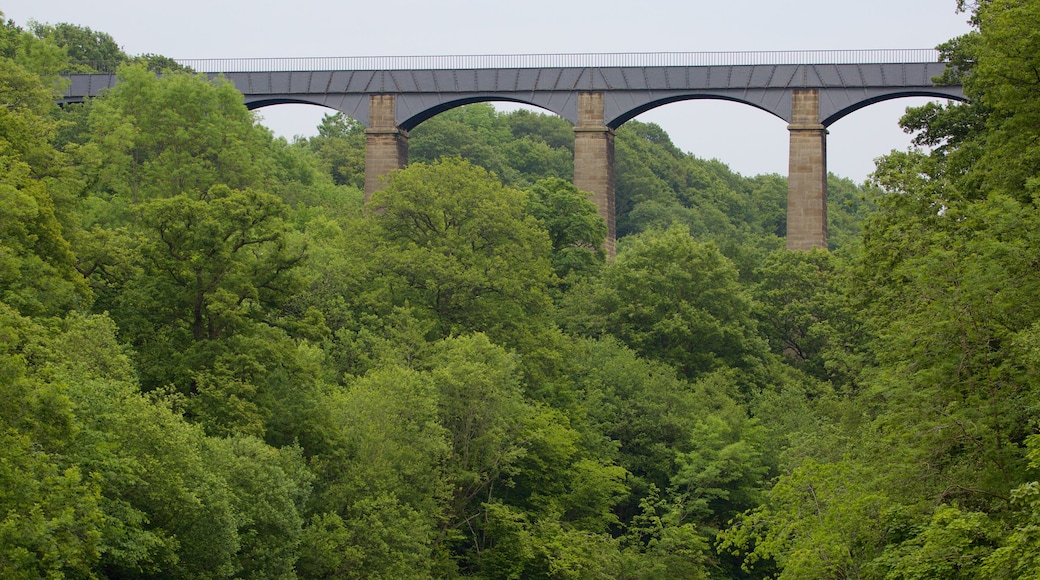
point(597, 93)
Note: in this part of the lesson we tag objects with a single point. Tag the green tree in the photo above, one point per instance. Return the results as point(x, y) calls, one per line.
point(677, 300)
point(1004, 80)
point(576, 230)
point(160, 137)
point(821, 521)
point(92, 50)
point(40, 56)
point(804, 310)
point(37, 265)
point(340, 145)
point(452, 242)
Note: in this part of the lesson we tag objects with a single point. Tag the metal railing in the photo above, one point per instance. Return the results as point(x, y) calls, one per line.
point(499, 61)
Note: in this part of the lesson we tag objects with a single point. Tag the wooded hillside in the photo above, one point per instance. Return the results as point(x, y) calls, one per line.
point(217, 363)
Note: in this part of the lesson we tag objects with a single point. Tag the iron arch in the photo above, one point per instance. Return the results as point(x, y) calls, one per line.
point(639, 110)
point(932, 94)
point(254, 104)
point(425, 114)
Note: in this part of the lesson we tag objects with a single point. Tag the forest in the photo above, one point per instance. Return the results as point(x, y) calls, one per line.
point(216, 361)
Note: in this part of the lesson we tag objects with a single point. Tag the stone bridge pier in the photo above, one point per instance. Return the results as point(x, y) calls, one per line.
point(386, 146)
point(387, 150)
point(807, 174)
point(594, 160)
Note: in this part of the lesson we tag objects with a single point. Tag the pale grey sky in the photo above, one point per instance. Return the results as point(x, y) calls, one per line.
point(748, 140)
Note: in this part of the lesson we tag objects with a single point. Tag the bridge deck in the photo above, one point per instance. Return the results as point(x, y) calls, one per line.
point(631, 83)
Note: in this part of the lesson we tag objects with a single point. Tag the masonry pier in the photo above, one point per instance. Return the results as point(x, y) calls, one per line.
point(807, 174)
point(386, 145)
point(594, 160)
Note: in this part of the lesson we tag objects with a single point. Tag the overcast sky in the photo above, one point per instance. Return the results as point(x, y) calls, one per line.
point(748, 140)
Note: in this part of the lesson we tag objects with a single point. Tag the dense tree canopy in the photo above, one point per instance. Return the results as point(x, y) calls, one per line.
point(217, 362)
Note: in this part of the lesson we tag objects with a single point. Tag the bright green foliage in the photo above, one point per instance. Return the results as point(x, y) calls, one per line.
point(821, 521)
point(394, 446)
point(1019, 556)
point(677, 300)
point(575, 228)
point(720, 467)
point(186, 248)
point(951, 545)
point(212, 265)
point(661, 545)
point(20, 47)
point(803, 311)
point(389, 392)
point(935, 483)
point(340, 145)
point(1005, 82)
point(954, 358)
point(452, 242)
point(179, 134)
point(51, 519)
point(379, 538)
point(512, 146)
point(694, 457)
point(37, 266)
point(384, 490)
point(218, 256)
point(480, 404)
point(82, 45)
point(160, 499)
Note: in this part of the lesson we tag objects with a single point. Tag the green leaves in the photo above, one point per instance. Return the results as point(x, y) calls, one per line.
point(677, 300)
point(451, 241)
point(178, 134)
point(821, 521)
point(576, 230)
point(1005, 81)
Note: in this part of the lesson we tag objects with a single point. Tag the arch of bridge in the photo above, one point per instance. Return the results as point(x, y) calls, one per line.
point(356, 108)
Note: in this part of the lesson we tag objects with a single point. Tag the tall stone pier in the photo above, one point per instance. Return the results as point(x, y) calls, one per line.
point(594, 160)
point(807, 174)
point(386, 146)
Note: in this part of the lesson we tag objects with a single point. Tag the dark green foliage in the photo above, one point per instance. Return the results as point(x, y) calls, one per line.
point(216, 363)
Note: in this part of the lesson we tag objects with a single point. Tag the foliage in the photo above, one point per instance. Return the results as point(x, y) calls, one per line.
point(215, 362)
point(677, 300)
point(575, 228)
point(453, 243)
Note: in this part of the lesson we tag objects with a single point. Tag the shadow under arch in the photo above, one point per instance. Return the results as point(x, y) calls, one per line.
point(254, 104)
point(293, 118)
point(415, 120)
point(643, 108)
point(936, 94)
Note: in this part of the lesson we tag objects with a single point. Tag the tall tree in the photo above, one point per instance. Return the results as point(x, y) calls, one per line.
point(451, 241)
point(677, 300)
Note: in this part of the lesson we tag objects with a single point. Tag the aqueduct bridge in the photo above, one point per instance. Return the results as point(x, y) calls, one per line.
point(597, 93)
